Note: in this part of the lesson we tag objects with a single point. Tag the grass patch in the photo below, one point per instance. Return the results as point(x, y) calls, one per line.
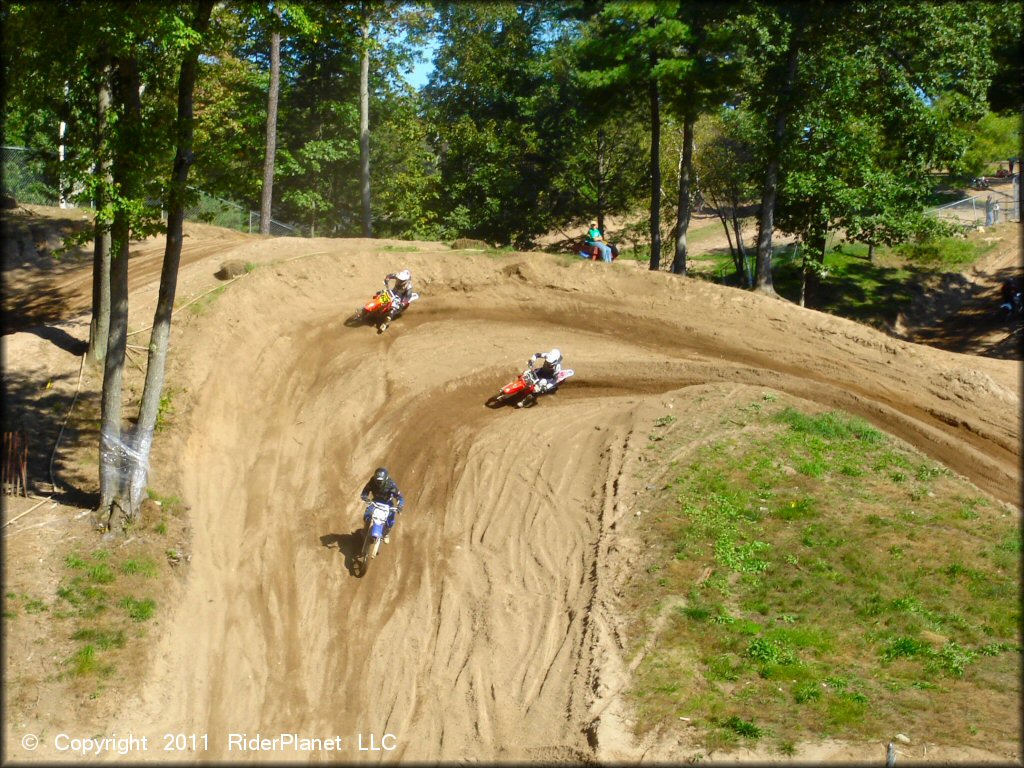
point(141, 566)
point(139, 610)
point(98, 608)
point(826, 598)
point(202, 305)
point(872, 292)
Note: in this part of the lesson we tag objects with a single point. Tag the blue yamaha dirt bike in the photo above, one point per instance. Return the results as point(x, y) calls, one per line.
point(374, 532)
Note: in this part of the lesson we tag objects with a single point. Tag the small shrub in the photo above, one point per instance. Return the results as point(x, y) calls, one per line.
point(75, 562)
point(766, 651)
point(954, 658)
point(799, 509)
point(84, 661)
point(142, 567)
point(104, 640)
point(35, 605)
point(139, 610)
point(805, 692)
point(744, 728)
point(905, 647)
point(101, 574)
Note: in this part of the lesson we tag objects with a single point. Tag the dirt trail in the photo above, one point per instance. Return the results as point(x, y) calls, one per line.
point(485, 630)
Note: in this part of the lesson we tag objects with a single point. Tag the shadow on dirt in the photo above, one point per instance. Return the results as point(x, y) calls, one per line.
point(500, 401)
point(963, 316)
point(39, 409)
point(355, 321)
point(349, 544)
point(60, 338)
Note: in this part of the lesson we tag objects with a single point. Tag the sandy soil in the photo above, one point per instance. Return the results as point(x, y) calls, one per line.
point(487, 630)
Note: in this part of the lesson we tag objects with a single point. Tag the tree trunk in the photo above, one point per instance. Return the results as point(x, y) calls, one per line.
point(62, 132)
point(364, 128)
point(803, 280)
point(267, 196)
point(160, 336)
point(743, 272)
point(766, 224)
point(683, 216)
point(655, 262)
point(99, 326)
point(600, 179)
point(114, 446)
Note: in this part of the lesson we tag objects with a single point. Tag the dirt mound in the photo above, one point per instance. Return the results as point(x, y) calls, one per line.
point(486, 630)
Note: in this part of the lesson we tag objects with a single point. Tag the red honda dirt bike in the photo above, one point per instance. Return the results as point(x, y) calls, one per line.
point(523, 391)
point(375, 311)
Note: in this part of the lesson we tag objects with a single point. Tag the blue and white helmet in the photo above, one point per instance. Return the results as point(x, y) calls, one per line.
point(554, 357)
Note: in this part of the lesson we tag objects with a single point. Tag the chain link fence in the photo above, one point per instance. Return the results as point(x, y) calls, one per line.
point(977, 210)
point(28, 179)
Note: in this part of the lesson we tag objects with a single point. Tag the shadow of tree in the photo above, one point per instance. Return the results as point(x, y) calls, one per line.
point(39, 408)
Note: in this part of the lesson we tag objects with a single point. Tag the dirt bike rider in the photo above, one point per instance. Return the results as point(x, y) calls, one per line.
point(382, 489)
point(1010, 293)
point(547, 372)
point(403, 293)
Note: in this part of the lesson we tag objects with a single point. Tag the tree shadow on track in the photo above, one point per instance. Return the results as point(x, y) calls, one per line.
point(60, 338)
point(350, 545)
point(40, 406)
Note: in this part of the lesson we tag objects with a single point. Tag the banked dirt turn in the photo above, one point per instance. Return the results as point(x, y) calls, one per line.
point(486, 630)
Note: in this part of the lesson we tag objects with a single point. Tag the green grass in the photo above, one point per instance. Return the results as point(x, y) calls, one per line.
point(93, 586)
point(139, 610)
point(820, 599)
point(143, 566)
point(871, 293)
point(202, 305)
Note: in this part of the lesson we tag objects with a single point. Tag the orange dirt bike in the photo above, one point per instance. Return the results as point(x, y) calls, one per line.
point(376, 310)
point(523, 391)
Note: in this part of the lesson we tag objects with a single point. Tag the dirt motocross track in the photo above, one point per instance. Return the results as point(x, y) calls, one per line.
point(487, 629)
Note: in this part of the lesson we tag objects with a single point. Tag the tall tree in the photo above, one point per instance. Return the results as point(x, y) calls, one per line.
point(269, 155)
point(699, 73)
point(780, 86)
point(621, 49)
point(99, 325)
point(483, 108)
point(176, 199)
point(124, 453)
point(364, 119)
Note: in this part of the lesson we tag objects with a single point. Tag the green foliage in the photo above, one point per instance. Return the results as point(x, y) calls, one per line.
point(139, 610)
point(143, 567)
point(745, 728)
point(945, 253)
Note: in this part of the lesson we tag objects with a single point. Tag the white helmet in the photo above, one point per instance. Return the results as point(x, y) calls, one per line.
point(554, 356)
point(405, 275)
